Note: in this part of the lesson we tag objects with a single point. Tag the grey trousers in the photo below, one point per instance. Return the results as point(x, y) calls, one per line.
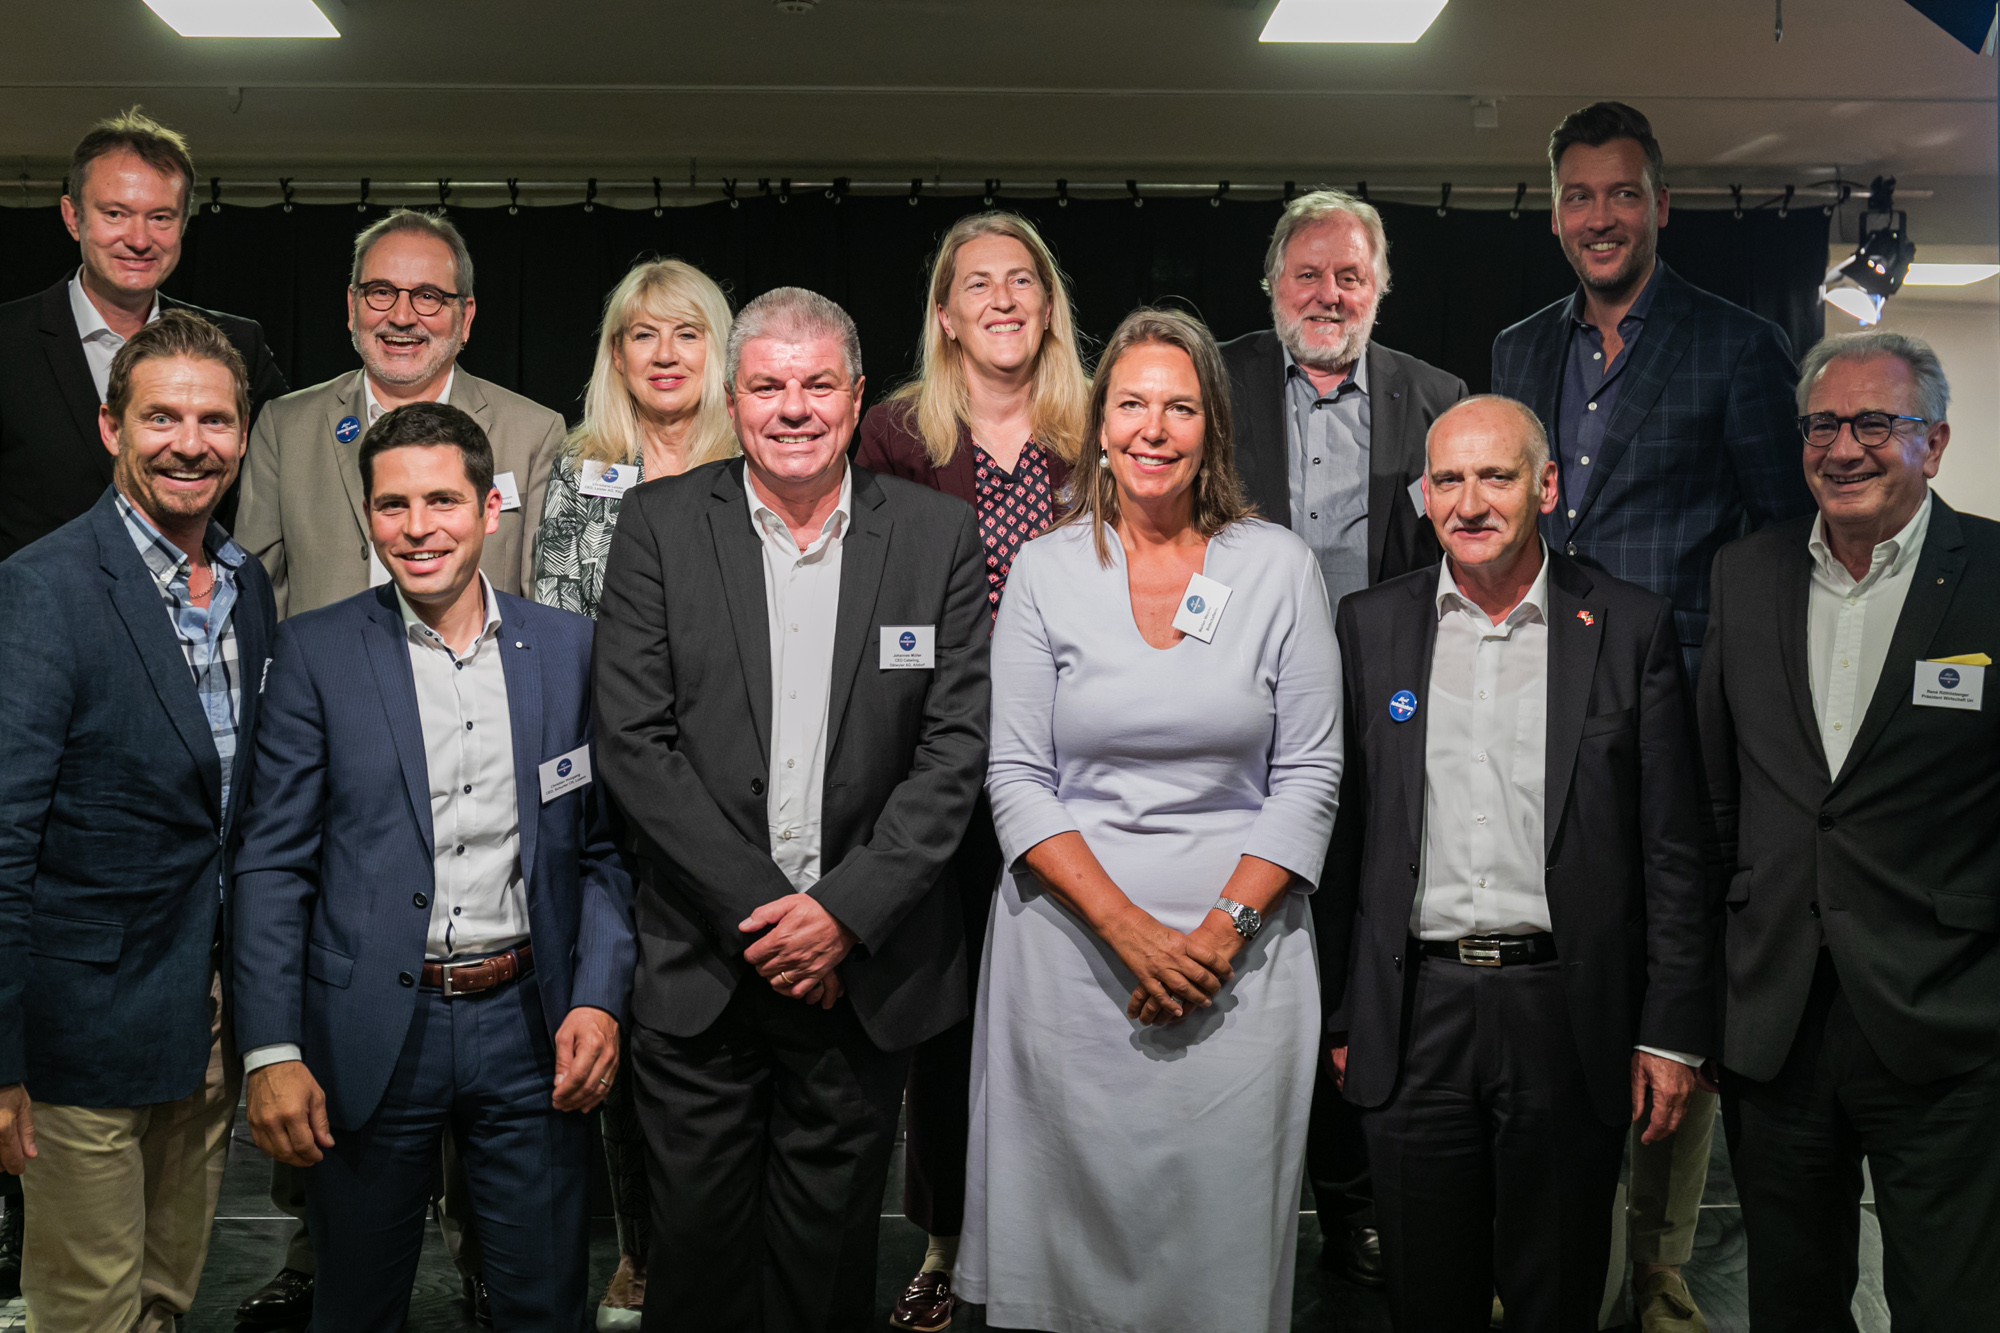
point(1667, 1180)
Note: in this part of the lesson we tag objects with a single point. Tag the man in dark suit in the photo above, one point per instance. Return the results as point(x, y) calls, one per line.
point(1854, 766)
point(1671, 411)
point(131, 642)
point(791, 679)
point(127, 206)
point(434, 927)
point(1524, 955)
point(1330, 442)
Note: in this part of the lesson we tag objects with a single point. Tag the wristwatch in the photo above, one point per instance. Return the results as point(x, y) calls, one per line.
point(1247, 919)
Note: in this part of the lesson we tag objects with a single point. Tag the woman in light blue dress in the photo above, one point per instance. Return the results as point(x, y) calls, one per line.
point(1164, 789)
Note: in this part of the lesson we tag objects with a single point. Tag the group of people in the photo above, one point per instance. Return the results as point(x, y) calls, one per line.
point(1160, 782)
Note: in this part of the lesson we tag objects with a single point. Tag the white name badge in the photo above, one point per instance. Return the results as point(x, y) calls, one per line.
point(1949, 685)
point(565, 773)
point(909, 647)
point(608, 480)
point(1417, 495)
point(510, 494)
point(1201, 606)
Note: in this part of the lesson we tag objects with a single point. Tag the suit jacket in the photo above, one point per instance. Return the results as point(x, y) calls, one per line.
point(53, 463)
point(684, 700)
point(888, 443)
point(1628, 904)
point(1405, 396)
point(1893, 861)
point(1703, 444)
point(112, 831)
point(334, 872)
point(298, 474)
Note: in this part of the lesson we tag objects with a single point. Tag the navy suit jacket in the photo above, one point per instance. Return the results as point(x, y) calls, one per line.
point(112, 832)
point(1703, 444)
point(334, 868)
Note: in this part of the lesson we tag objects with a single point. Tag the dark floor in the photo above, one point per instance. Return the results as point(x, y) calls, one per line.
point(250, 1242)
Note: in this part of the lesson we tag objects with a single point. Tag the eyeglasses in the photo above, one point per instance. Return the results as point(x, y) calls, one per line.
point(1871, 429)
point(426, 301)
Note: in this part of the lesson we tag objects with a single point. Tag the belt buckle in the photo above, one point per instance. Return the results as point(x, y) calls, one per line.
point(1477, 951)
point(446, 969)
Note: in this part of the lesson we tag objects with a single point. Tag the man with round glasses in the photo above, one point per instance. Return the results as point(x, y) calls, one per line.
point(410, 311)
point(1854, 765)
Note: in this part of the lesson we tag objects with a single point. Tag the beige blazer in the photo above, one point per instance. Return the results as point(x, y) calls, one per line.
point(302, 512)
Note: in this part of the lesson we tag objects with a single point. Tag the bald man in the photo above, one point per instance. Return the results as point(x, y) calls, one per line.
point(1524, 963)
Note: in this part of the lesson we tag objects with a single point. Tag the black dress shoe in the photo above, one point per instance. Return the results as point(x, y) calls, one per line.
point(10, 1248)
point(475, 1296)
point(1354, 1253)
point(286, 1299)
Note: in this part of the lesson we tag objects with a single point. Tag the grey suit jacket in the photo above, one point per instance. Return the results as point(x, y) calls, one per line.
point(303, 512)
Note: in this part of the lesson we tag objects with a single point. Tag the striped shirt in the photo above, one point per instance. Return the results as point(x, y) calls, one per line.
point(207, 634)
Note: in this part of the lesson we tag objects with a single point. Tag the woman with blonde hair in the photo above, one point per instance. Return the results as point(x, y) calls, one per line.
point(655, 407)
point(994, 416)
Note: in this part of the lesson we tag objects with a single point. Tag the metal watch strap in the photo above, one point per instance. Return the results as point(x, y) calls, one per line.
point(1248, 920)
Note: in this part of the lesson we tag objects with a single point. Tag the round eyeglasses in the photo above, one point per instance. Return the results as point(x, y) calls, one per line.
point(1871, 430)
point(426, 301)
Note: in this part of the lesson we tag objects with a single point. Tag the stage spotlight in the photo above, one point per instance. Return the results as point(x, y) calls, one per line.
point(1350, 20)
point(1875, 272)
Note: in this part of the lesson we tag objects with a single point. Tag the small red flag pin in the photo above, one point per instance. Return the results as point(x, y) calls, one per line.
point(1586, 617)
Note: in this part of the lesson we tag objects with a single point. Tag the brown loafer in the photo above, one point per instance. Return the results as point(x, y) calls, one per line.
point(926, 1305)
point(1666, 1305)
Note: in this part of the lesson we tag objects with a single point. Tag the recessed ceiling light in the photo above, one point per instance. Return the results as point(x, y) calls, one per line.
point(1948, 275)
point(1350, 20)
point(244, 18)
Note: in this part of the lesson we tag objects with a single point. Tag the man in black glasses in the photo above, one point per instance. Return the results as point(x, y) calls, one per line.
point(1854, 764)
point(410, 311)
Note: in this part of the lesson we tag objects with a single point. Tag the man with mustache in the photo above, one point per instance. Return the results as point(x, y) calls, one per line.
point(128, 208)
point(1671, 411)
point(132, 641)
point(410, 311)
point(1330, 442)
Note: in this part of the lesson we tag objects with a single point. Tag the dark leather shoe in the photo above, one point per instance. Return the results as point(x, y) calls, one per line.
point(286, 1299)
point(1354, 1253)
point(475, 1296)
point(926, 1305)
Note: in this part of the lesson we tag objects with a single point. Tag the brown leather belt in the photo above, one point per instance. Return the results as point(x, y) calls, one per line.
point(480, 976)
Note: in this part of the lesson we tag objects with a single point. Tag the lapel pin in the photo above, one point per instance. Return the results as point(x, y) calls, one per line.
point(1586, 617)
point(1402, 706)
point(347, 429)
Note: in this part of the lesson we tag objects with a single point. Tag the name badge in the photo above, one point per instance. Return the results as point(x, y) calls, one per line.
point(1949, 685)
point(565, 773)
point(510, 494)
point(608, 480)
point(1201, 606)
point(909, 647)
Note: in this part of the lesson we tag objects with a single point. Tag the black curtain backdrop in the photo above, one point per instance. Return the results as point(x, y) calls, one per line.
point(543, 273)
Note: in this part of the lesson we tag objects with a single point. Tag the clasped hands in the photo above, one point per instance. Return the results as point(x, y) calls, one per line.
point(802, 945)
point(1177, 973)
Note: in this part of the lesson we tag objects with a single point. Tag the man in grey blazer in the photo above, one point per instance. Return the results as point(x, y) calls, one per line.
point(791, 696)
point(410, 309)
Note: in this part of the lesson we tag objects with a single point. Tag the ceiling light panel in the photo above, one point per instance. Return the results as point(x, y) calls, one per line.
point(244, 18)
point(1350, 20)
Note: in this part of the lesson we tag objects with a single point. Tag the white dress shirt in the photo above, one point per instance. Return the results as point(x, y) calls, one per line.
point(1849, 625)
point(802, 595)
point(479, 898)
point(100, 341)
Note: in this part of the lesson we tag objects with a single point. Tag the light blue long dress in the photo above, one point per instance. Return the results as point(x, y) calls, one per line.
point(1122, 1177)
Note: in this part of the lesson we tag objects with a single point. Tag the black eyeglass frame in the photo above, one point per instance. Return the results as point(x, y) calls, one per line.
point(1853, 424)
point(368, 291)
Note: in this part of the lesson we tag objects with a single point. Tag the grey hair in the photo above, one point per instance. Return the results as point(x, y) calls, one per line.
point(430, 224)
point(1933, 389)
point(1537, 441)
point(1318, 206)
point(796, 315)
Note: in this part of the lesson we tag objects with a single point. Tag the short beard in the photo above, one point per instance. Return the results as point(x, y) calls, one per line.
point(1626, 281)
point(443, 352)
point(1353, 342)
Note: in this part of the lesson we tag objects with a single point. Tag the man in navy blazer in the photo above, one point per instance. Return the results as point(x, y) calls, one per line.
point(131, 641)
point(435, 928)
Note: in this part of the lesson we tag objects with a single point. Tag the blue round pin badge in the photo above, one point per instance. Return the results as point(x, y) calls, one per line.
point(563, 767)
point(1948, 679)
point(1402, 706)
point(346, 429)
point(1195, 605)
point(907, 641)
point(611, 476)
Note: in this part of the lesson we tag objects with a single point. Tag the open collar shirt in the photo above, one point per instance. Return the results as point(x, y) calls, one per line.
point(100, 341)
point(1327, 441)
point(1590, 387)
point(1849, 625)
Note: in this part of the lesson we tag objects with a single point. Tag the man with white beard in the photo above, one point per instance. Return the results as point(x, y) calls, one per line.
point(410, 310)
point(1329, 431)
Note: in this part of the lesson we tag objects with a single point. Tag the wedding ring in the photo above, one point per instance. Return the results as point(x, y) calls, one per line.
point(785, 977)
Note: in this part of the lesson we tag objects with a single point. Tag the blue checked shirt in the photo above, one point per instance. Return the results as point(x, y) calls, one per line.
point(207, 634)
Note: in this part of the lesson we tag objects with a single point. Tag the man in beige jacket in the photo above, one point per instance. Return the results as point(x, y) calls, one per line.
point(409, 308)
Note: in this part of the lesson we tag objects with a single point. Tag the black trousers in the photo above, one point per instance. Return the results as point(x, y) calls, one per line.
point(1337, 1160)
point(1491, 1169)
point(1933, 1149)
point(768, 1144)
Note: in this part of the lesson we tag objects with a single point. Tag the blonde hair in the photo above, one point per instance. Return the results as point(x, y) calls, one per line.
point(661, 289)
point(1218, 491)
point(938, 399)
